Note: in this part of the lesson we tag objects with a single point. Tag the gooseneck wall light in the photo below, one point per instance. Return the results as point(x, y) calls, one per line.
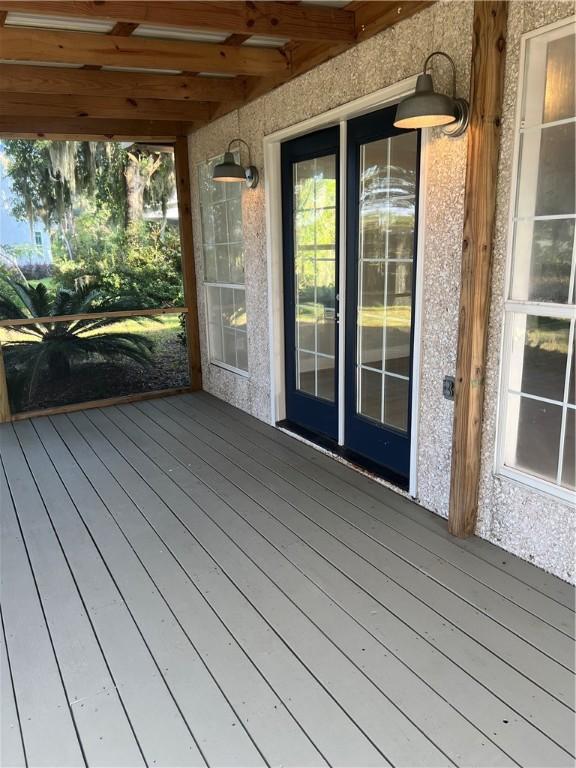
point(426, 108)
point(231, 171)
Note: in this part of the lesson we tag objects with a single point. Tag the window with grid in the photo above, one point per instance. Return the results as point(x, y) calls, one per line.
point(538, 409)
point(223, 249)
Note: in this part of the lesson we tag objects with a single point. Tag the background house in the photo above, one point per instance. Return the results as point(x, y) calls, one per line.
point(25, 243)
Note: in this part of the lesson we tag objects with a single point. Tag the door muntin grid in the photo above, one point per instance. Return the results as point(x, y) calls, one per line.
point(315, 275)
point(387, 221)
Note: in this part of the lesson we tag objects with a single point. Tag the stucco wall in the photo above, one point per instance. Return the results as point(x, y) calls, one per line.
point(381, 61)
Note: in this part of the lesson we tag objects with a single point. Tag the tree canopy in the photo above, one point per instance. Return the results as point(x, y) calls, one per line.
point(52, 179)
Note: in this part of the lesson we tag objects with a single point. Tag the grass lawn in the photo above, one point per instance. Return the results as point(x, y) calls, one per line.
point(98, 378)
point(49, 282)
point(158, 329)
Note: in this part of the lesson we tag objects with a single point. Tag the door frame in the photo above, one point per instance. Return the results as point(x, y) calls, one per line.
point(273, 204)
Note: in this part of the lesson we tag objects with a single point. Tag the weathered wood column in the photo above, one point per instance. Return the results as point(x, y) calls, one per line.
point(486, 90)
point(182, 167)
point(4, 401)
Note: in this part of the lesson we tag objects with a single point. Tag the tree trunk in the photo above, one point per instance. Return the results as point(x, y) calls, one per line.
point(66, 243)
point(135, 183)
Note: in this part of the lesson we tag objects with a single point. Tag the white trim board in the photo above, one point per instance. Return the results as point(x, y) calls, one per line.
point(273, 201)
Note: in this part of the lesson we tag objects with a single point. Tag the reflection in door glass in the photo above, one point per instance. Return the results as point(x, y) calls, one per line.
point(315, 280)
point(386, 251)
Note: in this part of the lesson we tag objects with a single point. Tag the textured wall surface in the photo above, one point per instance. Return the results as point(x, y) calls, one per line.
point(530, 524)
point(381, 61)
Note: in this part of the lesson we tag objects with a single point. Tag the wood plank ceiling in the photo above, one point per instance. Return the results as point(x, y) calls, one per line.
point(158, 69)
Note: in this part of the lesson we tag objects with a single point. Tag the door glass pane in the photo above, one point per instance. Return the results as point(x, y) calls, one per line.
point(370, 394)
point(325, 377)
point(326, 315)
point(396, 402)
point(403, 156)
point(307, 372)
point(398, 317)
point(370, 313)
point(388, 180)
point(315, 232)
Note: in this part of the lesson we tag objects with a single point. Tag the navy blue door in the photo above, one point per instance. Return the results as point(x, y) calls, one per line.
point(310, 197)
point(382, 205)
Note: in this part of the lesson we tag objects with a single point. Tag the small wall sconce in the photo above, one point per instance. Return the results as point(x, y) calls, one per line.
point(231, 171)
point(427, 108)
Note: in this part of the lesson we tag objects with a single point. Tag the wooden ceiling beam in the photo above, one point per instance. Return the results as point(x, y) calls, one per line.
point(83, 107)
point(122, 29)
point(278, 19)
point(15, 78)
point(153, 131)
point(58, 46)
point(371, 17)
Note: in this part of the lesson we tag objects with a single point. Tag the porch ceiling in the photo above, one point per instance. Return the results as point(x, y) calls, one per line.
point(185, 585)
point(118, 68)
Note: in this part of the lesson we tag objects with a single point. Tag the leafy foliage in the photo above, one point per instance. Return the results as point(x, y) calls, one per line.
point(143, 260)
point(49, 178)
point(94, 198)
point(105, 206)
point(53, 348)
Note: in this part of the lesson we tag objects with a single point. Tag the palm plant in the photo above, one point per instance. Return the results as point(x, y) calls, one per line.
point(54, 347)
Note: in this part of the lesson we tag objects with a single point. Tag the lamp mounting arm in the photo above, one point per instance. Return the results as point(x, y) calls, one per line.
point(240, 141)
point(451, 60)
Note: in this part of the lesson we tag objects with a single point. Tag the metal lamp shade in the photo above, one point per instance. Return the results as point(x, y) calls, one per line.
point(425, 108)
point(229, 170)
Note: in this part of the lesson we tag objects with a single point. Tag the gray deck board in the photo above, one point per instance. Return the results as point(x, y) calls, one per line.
point(268, 489)
point(11, 747)
point(353, 487)
point(235, 598)
point(103, 727)
point(555, 641)
point(499, 677)
point(517, 569)
point(48, 731)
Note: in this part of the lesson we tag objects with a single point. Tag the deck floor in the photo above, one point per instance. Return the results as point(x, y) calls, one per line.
point(183, 585)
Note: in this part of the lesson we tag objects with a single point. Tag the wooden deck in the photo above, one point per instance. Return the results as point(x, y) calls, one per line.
point(183, 585)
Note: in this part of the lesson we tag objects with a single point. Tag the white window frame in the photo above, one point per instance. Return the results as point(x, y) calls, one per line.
point(207, 284)
point(535, 308)
point(214, 361)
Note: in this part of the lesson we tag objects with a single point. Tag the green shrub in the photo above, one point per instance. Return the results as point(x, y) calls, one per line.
point(143, 260)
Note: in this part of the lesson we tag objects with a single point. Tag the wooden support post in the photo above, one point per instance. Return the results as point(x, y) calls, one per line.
point(486, 89)
point(182, 166)
point(5, 414)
